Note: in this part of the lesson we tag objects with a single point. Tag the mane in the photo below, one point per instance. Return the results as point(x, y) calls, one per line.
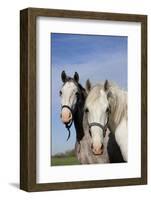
point(118, 102)
point(94, 94)
point(82, 90)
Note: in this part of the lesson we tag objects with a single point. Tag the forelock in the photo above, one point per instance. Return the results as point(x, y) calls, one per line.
point(69, 84)
point(93, 94)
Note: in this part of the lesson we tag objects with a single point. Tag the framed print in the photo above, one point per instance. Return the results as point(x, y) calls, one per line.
point(83, 99)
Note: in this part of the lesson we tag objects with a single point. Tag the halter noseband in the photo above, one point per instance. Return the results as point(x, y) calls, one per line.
point(104, 128)
point(68, 125)
point(66, 106)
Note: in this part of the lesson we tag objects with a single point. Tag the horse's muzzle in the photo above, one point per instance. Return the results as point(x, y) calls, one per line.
point(66, 117)
point(97, 150)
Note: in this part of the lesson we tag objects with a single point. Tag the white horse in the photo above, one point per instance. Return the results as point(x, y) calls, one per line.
point(106, 106)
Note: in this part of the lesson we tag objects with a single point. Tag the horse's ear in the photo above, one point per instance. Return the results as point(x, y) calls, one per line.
point(63, 76)
point(76, 77)
point(106, 86)
point(88, 86)
point(107, 89)
point(109, 94)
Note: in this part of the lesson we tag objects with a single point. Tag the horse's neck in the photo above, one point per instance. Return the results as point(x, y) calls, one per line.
point(118, 110)
point(78, 121)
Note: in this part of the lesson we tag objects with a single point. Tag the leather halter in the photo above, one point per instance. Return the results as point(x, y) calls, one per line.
point(66, 106)
point(104, 128)
point(68, 125)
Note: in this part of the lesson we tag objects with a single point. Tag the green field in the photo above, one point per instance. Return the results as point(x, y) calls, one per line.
point(64, 160)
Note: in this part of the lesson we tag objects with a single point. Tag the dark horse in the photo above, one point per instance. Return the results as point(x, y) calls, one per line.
point(73, 97)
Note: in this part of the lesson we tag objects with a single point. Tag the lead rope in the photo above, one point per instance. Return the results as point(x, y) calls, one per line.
point(68, 126)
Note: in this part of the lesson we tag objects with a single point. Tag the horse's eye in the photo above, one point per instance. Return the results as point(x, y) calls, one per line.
point(60, 92)
point(86, 110)
point(77, 93)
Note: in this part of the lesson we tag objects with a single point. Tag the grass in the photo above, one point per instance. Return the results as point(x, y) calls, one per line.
point(64, 160)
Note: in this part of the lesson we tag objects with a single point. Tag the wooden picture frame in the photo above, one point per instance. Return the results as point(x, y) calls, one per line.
point(28, 98)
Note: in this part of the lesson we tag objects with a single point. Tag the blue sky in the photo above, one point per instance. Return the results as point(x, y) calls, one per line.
point(95, 57)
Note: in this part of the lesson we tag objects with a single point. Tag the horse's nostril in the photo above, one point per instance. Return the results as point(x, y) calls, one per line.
point(91, 146)
point(70, 116)
point(102, 147)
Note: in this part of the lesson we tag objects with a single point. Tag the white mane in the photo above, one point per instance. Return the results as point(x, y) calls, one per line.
point(118, 103)
point(94, 94)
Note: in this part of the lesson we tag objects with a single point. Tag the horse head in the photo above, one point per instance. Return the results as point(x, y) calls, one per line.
point(69, 96)
point(97, 110)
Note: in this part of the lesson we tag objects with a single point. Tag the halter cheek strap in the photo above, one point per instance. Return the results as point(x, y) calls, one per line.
point(68, 125)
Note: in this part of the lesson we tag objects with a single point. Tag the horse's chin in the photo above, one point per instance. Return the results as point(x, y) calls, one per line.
point(67, 122)
point(99, 153)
